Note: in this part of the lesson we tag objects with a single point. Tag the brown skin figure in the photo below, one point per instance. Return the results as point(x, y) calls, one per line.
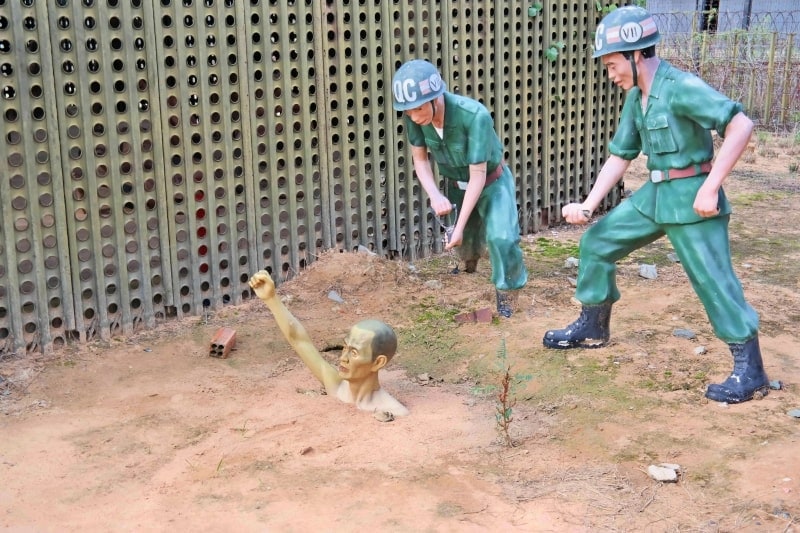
point(368, 347)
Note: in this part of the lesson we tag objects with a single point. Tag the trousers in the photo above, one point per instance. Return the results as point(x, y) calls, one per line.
point(494, 225)
point(703, 249)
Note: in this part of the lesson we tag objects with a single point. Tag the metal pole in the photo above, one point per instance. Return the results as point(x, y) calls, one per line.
point(748, 8)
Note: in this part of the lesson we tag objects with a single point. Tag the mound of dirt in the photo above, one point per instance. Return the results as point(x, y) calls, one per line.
point(149, 432)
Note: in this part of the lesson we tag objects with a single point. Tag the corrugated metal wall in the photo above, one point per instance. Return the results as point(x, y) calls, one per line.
point(156, 153)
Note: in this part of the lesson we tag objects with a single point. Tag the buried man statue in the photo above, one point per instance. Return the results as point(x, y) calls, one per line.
point(368, 347)
point(667, 116)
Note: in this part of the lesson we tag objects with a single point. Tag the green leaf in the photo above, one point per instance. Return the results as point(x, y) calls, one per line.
point(534, 9)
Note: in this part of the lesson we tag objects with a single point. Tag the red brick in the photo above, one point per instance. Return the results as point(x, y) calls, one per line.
point(222, 343)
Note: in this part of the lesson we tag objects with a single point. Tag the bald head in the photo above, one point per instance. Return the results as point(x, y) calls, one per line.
point(384, 340)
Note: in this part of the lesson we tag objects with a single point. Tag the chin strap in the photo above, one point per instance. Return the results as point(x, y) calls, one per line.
point(634, 71)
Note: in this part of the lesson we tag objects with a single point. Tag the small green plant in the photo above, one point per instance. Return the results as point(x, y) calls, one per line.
point(793, 167)
point(604, 10)
point(535, 9)
point(506, 394)
point(553, 50)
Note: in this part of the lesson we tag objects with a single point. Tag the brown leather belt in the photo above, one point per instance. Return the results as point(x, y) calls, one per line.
point(677, 173)
point(496, 173)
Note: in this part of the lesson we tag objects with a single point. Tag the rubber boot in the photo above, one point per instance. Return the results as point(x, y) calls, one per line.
point(590, 330)
point(505, 302)
point(747, 379)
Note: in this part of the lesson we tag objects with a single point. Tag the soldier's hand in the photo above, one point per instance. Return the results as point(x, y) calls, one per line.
point(262, 284)
point(706, 203)
point(441, 205)
point(576, 213)
point(456, 238)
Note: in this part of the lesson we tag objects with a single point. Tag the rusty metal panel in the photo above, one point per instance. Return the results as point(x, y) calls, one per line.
point(373, 203)
point(201, 90)
point(496, 58)
point(416, 30)
point(113, 186)
point(36, 297)
point(288, 131)
point(581, 109)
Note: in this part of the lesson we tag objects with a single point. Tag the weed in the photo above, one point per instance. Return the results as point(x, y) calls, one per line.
point(793, 167)
point(506, 394)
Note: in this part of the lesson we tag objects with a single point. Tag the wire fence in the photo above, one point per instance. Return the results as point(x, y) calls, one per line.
point(755, 59)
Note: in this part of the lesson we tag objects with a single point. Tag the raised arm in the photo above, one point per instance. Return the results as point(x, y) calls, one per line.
point(295, 333)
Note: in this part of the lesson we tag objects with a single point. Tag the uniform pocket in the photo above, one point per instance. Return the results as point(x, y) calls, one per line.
point(660, 135)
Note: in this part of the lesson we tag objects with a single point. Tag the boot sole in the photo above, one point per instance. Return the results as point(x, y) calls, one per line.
point(759, 393)
point(566, 345)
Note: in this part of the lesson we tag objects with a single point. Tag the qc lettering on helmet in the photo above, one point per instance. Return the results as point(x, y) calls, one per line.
point(402, 91)
point(598, 37)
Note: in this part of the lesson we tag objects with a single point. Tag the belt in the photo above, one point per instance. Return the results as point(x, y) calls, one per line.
point(490, 178)
point(677, 173)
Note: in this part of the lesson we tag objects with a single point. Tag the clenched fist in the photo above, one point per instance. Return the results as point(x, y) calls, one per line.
point(262, 284)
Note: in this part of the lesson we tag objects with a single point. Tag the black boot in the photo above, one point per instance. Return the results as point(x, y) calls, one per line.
point(747, 379)
point(589, 331)
point(505, 302)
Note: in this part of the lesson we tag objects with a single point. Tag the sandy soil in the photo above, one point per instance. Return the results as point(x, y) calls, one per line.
point(149, 433)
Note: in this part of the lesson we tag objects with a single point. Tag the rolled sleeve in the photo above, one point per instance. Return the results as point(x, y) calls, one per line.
point(627, 143)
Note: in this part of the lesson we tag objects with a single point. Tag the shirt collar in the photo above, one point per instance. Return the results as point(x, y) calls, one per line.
point(658, 80)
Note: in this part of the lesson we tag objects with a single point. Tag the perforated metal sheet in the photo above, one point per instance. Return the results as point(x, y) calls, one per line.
point(155, 154)
point(202, 87)
point(36, 295)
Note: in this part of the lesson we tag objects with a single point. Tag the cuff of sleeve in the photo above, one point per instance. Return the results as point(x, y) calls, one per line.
point(628, 155)
point(734, 110)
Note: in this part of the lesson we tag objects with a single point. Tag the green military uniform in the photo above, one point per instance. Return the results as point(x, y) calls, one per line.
point(470, 138)
point(674, 133)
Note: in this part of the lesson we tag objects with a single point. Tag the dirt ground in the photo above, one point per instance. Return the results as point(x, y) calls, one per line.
point(149, 433)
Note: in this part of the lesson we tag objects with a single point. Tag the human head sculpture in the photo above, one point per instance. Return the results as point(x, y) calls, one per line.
point(626, 30)
point(384, 339)
point(368, 347)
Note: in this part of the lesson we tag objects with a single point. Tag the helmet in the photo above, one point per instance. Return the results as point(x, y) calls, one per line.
point(625, 29)
point(415, 83)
